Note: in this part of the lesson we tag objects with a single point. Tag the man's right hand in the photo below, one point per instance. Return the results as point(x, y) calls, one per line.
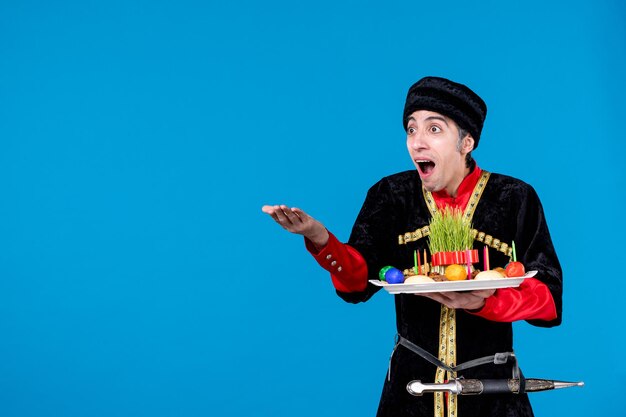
point(297, 221)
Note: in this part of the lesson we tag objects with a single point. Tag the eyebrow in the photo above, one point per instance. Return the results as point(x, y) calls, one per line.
point(430, 118)
point(437, 118)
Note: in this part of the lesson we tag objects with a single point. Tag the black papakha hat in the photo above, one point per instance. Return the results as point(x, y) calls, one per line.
point(451, 99)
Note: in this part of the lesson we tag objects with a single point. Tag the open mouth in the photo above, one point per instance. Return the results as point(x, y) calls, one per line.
point(425, 166)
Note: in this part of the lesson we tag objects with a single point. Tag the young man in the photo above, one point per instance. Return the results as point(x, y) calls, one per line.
point(443, 121)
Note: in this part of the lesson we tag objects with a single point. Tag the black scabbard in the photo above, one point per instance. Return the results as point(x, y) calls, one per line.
point(497, 386)
point(502, 386)
point(484, 386)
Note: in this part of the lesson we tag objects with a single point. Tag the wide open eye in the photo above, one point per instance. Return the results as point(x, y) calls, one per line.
point(435, 129)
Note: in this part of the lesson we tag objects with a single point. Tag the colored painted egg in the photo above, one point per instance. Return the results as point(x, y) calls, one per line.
point(515, 269)
point(394, 276)
point(383, 271)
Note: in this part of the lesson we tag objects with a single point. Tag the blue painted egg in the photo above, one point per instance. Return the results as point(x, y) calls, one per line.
point(394, 276)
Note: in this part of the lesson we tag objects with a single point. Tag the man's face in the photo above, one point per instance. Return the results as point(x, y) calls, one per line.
point(433, 143)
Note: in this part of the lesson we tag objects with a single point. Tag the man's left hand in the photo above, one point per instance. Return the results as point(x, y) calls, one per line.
point(468, 300)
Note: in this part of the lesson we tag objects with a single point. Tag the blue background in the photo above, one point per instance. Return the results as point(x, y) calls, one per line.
point(139, 140)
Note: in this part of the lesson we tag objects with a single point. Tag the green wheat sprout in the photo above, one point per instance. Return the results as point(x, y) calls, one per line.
point(449, 231)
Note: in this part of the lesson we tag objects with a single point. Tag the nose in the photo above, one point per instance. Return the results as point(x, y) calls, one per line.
point(416, 141)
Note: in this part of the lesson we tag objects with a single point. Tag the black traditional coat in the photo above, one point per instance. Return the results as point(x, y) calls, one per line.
point(509, 210)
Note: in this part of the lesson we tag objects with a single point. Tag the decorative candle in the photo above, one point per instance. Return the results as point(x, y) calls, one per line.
point(514, 255)
point(486, 258)
point(415, 264)
point(419, 264)
point(426, 268)
point(469, 263)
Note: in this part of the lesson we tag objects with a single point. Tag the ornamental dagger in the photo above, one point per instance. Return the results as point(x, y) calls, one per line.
point(488, 386)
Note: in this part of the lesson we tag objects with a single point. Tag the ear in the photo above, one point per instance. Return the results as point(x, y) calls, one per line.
point(468, 144)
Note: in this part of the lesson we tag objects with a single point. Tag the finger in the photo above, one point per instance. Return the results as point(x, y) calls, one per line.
point(460, 297)
point(300, 213)
point(290, 215)
point(446, 296)
point(451, 299)
point(435, 296)
point(271, 211)
point(287, 211)
point(281, 217)
point(297, 216)
point(483, 293)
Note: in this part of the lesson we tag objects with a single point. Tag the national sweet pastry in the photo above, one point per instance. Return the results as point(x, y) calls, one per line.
point(418, 279)
point(491, 274)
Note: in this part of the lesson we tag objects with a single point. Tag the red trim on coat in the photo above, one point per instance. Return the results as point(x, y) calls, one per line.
point(463, 194)
point(347, 267)
point(532, 300)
